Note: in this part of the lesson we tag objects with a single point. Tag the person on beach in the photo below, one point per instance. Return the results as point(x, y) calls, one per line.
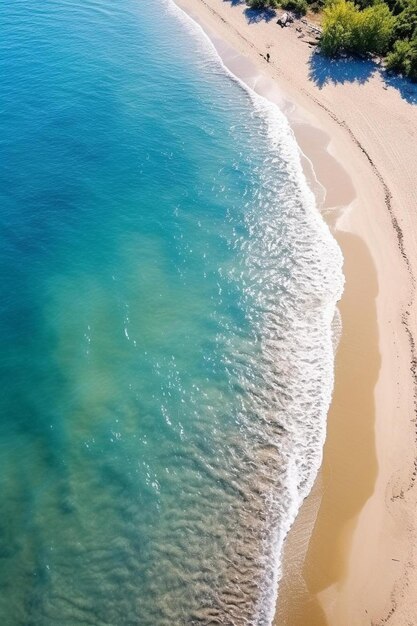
point(268, 56)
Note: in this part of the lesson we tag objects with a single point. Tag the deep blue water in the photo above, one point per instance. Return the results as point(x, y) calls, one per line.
point(166, 295)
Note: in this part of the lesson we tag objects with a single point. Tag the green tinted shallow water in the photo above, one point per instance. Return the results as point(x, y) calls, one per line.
point(165, 357)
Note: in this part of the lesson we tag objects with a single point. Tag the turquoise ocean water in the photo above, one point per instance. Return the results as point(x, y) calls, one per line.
point(167, 291)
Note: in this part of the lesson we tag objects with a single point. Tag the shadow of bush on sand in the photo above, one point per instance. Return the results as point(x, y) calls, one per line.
point(235, 3)
point(324, 71)
point(254, 16)
point(407, 89)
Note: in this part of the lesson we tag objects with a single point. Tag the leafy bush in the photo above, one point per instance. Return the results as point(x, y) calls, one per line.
point(406, 23)
point(397, 6)
point(298, 6)
point(315, 6)
point(347, 29)
point(396, 59)
point(364, 4)
point(262, 4)
point(373, 29)
point(338, 24)
point(403, 58)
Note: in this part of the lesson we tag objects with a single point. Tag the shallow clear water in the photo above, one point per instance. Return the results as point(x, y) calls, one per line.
point(167, 293)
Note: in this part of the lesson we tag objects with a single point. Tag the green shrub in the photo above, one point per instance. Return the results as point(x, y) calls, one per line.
point(396, 59)
point(347, 29)
point(316, 7)
point(262, 4)
point(406, 23)
point(338, 23)
point(412, 60)
point(403, 58)
point(373, 29)
point(364, 4)
point(298, 6)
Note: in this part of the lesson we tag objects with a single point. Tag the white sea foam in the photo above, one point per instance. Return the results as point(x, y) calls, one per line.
point(299, 350)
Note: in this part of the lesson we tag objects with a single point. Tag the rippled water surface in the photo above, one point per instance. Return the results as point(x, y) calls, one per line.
point(167, 289)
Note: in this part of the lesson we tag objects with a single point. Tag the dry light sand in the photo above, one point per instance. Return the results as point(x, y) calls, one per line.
point(351, 557)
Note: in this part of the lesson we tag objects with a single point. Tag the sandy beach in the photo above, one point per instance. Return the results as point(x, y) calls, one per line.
point(350, 558)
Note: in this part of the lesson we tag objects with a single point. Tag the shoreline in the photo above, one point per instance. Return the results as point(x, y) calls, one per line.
point(349, 557)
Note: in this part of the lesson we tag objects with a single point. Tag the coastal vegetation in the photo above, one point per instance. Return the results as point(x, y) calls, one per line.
point(347, 28)
point(379, 27)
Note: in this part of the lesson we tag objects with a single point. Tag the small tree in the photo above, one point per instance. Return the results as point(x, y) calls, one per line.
point(373, 29)
point(347, 29)
point(338, 24)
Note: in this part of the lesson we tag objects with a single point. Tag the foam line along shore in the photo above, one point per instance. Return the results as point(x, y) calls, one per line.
point(311, 436)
